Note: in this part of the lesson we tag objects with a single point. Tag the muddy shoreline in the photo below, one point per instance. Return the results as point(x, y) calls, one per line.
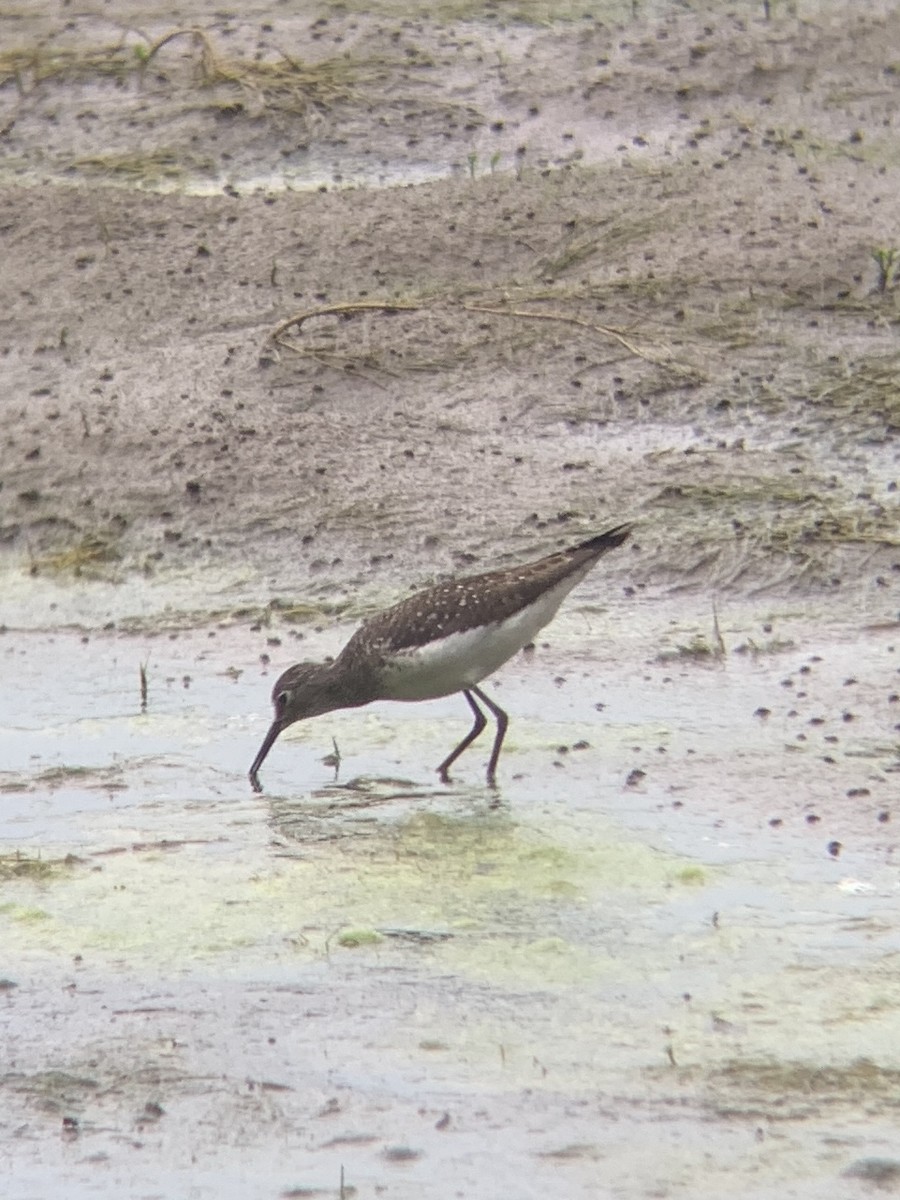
point(686, 328)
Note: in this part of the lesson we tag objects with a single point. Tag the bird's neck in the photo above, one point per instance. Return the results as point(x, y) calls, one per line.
point(349, 684)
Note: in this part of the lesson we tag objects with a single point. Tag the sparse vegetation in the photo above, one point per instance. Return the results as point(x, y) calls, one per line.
point(698, 649)
point(756, 649)
point(886, 260)
point(86, 557)
point(152, 167)
point(282, 83)
point(33, 867)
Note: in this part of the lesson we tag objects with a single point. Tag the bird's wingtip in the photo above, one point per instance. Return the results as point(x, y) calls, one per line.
point(610, 538)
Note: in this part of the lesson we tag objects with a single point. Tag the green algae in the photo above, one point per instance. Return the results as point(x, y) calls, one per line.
point(353, 939)
point(446, 882)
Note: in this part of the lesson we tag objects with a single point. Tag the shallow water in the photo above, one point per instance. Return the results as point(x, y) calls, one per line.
point(415, 983)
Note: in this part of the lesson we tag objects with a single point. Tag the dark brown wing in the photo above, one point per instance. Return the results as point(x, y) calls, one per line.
point(461, 604)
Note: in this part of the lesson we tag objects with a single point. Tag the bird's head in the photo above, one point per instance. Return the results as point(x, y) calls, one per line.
point(302, 691)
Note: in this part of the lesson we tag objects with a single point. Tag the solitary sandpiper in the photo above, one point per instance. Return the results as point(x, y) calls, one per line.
point(441, 640)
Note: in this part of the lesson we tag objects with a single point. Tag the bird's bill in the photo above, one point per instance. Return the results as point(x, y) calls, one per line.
point(268, 742)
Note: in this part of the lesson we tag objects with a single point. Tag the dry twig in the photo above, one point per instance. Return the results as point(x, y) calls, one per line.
point(355, 307)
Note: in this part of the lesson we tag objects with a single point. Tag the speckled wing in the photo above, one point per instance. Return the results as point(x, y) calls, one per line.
point(460, 605)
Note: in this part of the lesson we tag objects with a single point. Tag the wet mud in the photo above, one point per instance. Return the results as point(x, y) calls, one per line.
point(302, 310)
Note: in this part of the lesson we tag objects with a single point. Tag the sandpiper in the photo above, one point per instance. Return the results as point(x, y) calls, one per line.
point(441, 640)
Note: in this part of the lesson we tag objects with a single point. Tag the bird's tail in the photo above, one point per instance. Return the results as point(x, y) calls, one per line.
point(606, 541)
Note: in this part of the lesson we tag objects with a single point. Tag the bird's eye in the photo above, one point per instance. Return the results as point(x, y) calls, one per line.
point(281, 703)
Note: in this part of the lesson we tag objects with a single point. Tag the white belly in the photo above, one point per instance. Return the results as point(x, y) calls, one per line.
point(463, 659)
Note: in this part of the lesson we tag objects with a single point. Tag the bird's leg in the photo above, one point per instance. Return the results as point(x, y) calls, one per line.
point(502, 723)
point(480, 722)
